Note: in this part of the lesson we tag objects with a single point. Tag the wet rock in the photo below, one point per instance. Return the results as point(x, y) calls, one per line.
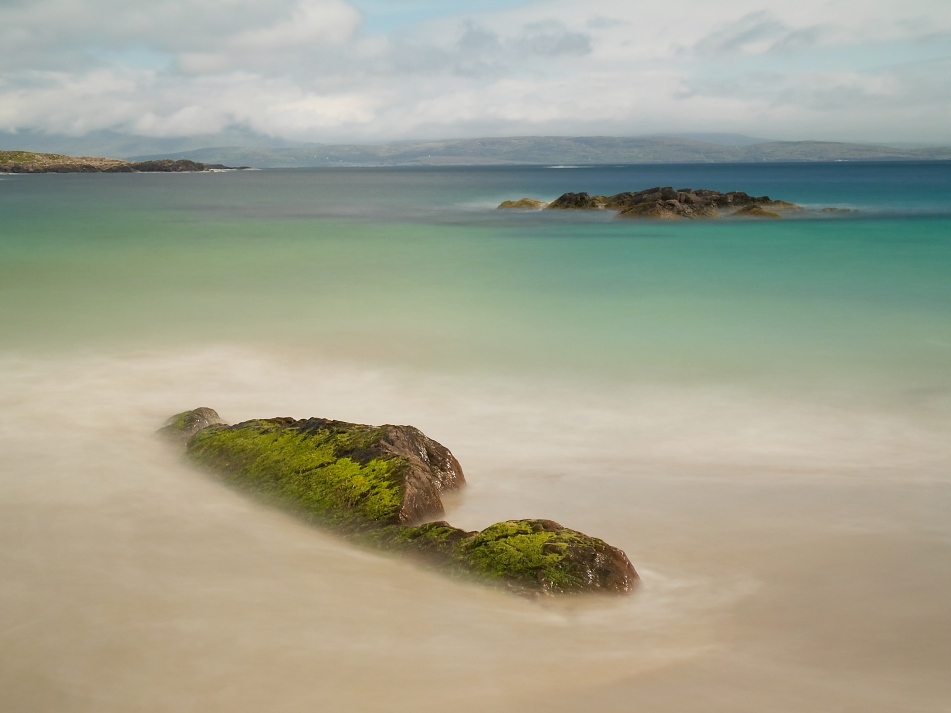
point(527, 556)
point(668, 210)
point(667, 203)
point(523, 204)
point(577, 201)
point(374, 484)
point(182, 426)
point(541, 555)
point(343, 474)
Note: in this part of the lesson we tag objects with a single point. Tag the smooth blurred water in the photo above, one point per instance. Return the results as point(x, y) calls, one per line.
point(757, 412)
point(415, 266)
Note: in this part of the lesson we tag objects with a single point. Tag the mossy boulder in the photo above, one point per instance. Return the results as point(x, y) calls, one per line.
point(542, 555)
point(345, 474)
point(375, 484)
point(527, 556)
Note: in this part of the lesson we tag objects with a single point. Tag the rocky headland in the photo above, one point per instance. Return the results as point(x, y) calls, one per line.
point(30, 162)
point(666, 203)
point(375, 485)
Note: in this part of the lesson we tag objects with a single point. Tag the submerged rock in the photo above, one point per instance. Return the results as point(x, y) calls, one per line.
point(375, 483)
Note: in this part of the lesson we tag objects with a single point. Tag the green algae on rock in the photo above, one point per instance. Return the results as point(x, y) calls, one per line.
point(543, 555)
point(344, 474)
point(526, 556)
point(373, 484)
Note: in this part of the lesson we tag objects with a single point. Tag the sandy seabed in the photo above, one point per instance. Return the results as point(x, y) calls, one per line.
point(795, 554)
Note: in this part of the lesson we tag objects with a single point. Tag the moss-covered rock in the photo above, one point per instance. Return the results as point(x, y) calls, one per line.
point(374, 483)
point(435, 542)
point(345, 474)
point(541, 555)
point(524, 555)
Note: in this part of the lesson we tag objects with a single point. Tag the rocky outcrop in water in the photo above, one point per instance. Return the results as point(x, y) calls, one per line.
point(577, 201)
point(375, 484)
point(30, 162)
point(524, 204)
point(665, 203)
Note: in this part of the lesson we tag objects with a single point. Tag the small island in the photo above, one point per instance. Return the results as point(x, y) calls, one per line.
point(666, 203)
point(31, 162)
point(381, 487)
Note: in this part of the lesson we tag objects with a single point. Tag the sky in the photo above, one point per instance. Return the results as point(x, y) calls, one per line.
point(367, 71)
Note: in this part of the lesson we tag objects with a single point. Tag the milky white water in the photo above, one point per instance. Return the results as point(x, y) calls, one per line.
point(759, 416)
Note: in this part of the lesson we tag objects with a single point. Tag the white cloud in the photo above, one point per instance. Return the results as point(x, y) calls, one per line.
point(312, 21)
point(303, 69)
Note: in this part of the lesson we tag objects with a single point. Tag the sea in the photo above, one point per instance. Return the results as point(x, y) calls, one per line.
point(757, 412)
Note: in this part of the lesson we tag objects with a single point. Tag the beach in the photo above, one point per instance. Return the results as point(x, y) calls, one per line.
point(756, 412)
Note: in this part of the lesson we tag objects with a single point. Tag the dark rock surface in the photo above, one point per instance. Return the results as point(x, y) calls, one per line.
point(373, 484)
point(577, 201)
point(665, 203)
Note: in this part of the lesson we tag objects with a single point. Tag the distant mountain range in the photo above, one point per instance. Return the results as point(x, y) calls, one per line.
point(551, 150)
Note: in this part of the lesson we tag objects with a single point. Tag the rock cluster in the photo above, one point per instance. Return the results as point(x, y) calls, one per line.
point(665, 203)
point(375, 484)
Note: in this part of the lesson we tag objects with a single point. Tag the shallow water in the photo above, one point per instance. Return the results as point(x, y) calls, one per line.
point(757, 413)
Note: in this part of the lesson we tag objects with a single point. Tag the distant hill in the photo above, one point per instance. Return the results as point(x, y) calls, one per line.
point(554, 150)
point(126, 146)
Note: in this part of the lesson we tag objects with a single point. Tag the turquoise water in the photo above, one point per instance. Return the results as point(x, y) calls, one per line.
point(415, 267)
point(756, 412)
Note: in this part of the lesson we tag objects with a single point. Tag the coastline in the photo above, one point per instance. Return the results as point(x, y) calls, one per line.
point(31, 162)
